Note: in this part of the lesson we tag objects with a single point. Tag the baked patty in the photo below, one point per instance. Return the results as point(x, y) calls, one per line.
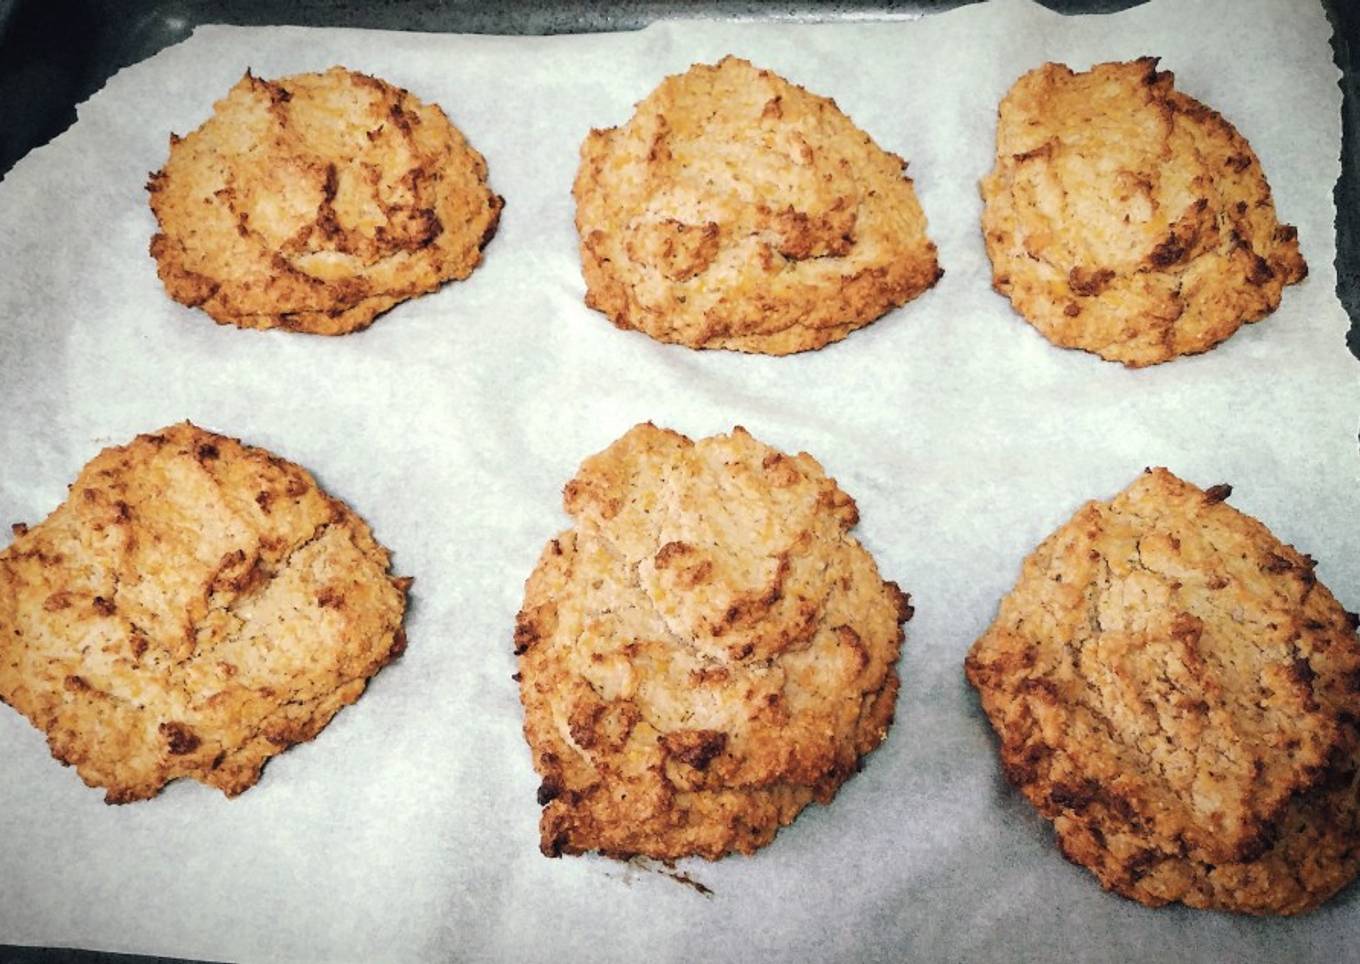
point(1176, 691)
point(1127, 219)
point(317, 202)
point(705, 652)
point(195, 607)
point(736, 210)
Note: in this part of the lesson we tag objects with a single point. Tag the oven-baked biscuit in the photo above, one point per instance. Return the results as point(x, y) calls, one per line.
point(195, 607)
point(736, 210)
point(705, 652)
point(1177, 692)
point(1127, 219)
point(317, 202)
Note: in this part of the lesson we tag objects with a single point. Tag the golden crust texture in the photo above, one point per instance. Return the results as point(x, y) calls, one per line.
point(195, 607)
point(317, 202)
point(1176, 691)
point(736, 210)
point(1127, 219)
point(705, 652)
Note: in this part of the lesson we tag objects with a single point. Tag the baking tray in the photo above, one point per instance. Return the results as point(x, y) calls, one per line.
point(54, 54)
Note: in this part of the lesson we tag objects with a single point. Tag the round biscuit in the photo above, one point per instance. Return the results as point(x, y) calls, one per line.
point(316, 203)
point(705, 652)
point(1176, 691)
point(1127, 219)
point(195, 607)
point(736, 210)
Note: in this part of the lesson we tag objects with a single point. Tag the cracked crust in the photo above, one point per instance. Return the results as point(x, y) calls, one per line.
point(1177, 692)
point(736, 210)
point(195, 607)
point(705, 652)
point(316, 203)
point(1127, 219)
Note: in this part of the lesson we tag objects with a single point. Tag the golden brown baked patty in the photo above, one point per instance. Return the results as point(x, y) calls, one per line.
point(1176, 691)
point(705, 652)
point(194, 607)
point(316, 203)
point(1127, 219)
point(737, 210)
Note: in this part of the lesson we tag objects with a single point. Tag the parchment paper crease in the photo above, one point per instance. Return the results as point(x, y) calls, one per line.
point(407, 830)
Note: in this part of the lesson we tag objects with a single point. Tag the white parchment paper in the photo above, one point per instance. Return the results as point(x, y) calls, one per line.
point(408, 829)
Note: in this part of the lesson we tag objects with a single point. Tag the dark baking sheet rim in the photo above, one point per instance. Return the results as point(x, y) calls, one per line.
point(54, 54)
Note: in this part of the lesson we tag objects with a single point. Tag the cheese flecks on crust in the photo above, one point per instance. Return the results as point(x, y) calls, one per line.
point(705, 652)
point(317, 202)
point(195, 607)
point(736, 210)
point(1127, 219)
point(1177, 692)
